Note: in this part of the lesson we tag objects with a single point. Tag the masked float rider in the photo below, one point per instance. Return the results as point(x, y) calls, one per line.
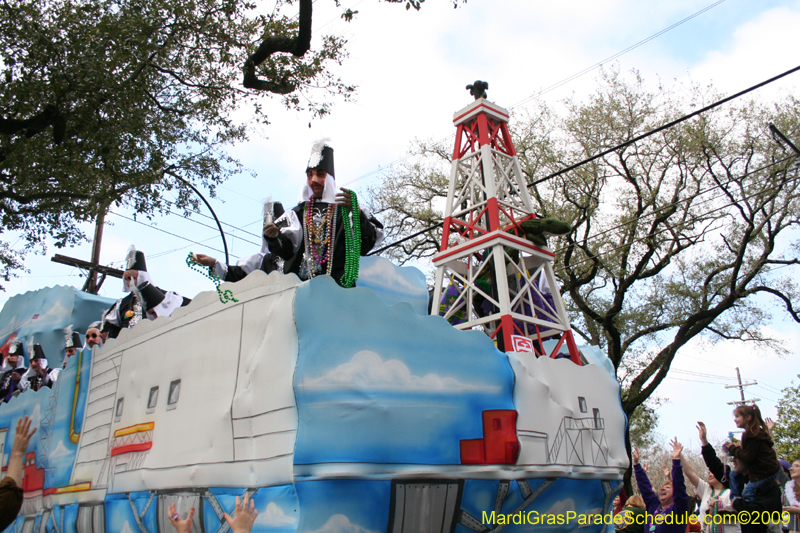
point(72, 344)
point(12, 371)
point(93, 335)
point(310, 238)
point(39, 374)
point(128, 311)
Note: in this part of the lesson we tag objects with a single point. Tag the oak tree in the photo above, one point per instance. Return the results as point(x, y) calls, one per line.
point(109, 102)
point(787, 426)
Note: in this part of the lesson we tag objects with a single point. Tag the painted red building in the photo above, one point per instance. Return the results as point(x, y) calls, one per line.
point(499, 444)
point(33, 479)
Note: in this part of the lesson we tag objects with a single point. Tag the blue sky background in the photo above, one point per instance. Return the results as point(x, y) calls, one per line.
point(411, 69)
point(344, 506)
point(362, 376)
point(394, 284)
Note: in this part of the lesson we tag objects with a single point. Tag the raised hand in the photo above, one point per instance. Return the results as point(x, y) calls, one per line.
point(181, 526)
point(271, 230)
point(702, 433)
point(243, 515)
point(770, 423)
point(205, 260)
point(635, 455)
point(677, 448)
point(23, 437)
point(343, 198)
point(19, 448)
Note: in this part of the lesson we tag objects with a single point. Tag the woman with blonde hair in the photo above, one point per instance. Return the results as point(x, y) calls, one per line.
point(626, 521)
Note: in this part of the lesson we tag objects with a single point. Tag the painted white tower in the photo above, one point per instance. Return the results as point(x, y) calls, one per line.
point(489, 273)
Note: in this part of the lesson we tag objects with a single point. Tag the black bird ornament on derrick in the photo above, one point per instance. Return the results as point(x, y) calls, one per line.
point(478, 89)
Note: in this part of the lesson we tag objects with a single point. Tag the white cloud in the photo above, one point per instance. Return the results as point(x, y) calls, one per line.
point(367, 370)
point(562, 507)
point(60, 450)
point(36, 416)
point(386, 273)
point(273, 516)
point(339, 523)
point(759, 50)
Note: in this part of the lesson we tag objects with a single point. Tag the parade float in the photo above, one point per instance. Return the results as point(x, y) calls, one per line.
point(337, 410)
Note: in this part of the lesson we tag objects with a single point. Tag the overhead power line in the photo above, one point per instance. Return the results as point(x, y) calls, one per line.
point(691, 380)
point(174, 204)
point(699, 374)
point(688, 199)
point(232, 235)
point(553, 86)
point(689, 221)
point(617, 55)
point(619, 146)
point(665, 126)
point(169, 233)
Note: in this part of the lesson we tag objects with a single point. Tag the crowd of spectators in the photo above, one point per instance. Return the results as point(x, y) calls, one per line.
point(750, 491)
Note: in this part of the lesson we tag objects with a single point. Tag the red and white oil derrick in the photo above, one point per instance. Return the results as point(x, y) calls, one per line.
point(487, 200)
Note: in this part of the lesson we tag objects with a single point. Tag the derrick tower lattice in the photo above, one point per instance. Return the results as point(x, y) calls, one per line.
point(492, 277)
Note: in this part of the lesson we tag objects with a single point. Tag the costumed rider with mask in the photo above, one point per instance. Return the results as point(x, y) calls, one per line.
point(39, 374)
point(12, 371)
point(264, 260)
point(72, 344)
point(94, 337)
point(128, 311)
point(311, 237)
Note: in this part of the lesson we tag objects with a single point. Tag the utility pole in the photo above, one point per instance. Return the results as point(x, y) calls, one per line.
point(92, 286)
point(741, 387)
point(93, 267)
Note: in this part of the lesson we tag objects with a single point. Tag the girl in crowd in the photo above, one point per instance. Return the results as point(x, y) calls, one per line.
point(755, 451)
point(791, 497)
point(671, 498)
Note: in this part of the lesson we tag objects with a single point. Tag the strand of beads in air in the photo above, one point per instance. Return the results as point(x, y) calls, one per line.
point(224, 296)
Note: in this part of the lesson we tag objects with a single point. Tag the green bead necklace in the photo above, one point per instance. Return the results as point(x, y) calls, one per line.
point(352, 242)
point(224, 296)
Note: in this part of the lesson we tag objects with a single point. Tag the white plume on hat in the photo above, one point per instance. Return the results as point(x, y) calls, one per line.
point(316, 152)
point(130, 257)
point(29, 346)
